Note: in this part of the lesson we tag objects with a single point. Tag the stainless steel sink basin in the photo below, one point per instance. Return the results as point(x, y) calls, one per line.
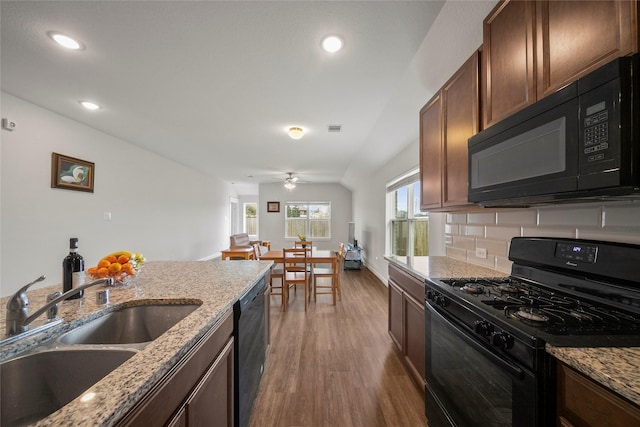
point(129, 325)
point(36, 385)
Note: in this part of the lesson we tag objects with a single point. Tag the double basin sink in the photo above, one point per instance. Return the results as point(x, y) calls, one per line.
point(37, 384)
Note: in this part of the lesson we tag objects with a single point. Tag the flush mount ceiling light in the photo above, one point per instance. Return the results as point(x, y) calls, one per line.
point(296, 132)
point(90, 105)
point(65, 41)
point(332, 44)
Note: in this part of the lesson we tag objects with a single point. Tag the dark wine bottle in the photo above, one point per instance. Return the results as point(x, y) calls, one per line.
point(73, 269)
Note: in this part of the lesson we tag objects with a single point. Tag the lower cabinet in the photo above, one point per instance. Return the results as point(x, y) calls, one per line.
point(584, 403)
point(197, 390)
point(406, 320)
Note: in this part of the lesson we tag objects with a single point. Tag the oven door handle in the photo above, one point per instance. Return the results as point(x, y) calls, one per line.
point(497, 360)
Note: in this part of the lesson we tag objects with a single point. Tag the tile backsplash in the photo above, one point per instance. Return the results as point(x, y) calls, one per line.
point(492, 229)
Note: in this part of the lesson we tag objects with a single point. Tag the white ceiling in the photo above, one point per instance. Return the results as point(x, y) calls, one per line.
point(214, 84)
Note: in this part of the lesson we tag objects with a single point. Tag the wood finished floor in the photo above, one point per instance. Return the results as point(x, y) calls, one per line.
point(335, 365)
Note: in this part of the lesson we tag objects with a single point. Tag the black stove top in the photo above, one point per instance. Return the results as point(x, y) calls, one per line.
point(538, 307)
point(565, 292)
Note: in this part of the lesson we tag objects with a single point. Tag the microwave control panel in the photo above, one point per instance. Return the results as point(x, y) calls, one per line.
point(596, 132)
point(599, 133)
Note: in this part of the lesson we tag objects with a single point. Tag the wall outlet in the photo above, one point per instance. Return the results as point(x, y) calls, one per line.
point(481, 253)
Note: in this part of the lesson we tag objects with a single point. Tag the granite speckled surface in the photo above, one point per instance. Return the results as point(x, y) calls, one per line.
point(216, 285)
point(442, 266)
point(615, 368)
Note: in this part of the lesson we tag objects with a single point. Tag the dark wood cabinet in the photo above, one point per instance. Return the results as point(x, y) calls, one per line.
point(533, 48)
point(574, 38)
point(584, 403)
point(508, 60)
point(447, 121)
point(396, 321)
point(197, 390)
point(406, 321)
point(431, 154)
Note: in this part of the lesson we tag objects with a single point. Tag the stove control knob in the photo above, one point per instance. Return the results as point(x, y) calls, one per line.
point(502, 340)
point(429, 294)
point(440, 300)
point(483, 327)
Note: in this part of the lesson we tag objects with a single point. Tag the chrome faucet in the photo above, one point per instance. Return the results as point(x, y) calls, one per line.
point(18, 318)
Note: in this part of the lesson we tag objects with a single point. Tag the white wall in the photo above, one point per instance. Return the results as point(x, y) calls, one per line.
point(271, 224)
point(454, 36)
point(159, 207)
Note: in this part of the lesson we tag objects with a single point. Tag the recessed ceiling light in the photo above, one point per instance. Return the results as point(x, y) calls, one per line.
point(332, 44)
point(295, 132)
point(65, 41)
point(90, 105)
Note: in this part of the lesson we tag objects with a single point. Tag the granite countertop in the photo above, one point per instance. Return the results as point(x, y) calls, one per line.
point(216, 285)
point(442, 266)
point(615, 368)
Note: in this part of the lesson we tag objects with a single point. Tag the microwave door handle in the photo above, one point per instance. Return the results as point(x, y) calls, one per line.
point(497, 360)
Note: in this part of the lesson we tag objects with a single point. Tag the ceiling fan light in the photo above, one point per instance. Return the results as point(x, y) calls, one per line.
point(296, 132)
point(289, 185)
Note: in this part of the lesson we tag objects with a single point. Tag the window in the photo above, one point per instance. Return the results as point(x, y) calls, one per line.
point(311, 219)
point(408, 226)
point(250, 224)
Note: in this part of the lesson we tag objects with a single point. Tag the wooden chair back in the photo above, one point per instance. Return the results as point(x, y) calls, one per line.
point(296, 271)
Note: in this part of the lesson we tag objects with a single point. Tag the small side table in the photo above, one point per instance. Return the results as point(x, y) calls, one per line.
point(237, 252)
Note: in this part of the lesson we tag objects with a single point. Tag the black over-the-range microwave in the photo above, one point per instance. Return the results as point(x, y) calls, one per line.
point(579, 143)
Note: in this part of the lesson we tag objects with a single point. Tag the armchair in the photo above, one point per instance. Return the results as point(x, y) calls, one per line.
point(242, 240)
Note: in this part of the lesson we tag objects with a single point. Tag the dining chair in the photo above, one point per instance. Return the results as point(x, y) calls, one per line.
point(296, 272)
point(332, 273)
point(308, 245)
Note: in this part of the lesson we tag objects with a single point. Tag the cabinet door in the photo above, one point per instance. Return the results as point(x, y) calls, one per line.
point(460, 96)
point(414, 338)
point(213, 397)
point(508, 58)
point(395, 314)
point(431, 154)
point(582, 402)
point(574, 38)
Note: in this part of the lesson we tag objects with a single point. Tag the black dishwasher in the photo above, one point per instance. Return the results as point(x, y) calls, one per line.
point(249, 351)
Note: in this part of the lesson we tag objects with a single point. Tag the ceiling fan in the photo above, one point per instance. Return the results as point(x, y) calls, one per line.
point(290, 181)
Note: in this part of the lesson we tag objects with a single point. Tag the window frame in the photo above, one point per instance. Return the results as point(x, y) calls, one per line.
point(406, 181)
point(307, 220)
point(244, 218)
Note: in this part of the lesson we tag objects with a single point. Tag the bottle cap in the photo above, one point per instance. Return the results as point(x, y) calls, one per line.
point(73, 243)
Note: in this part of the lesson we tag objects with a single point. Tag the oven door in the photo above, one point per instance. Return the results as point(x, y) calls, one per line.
point(469, 383)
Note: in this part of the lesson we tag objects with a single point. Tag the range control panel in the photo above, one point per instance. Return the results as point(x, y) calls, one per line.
point(577, 252)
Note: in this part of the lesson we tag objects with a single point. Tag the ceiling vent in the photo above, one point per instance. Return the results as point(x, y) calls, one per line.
point(334, 128)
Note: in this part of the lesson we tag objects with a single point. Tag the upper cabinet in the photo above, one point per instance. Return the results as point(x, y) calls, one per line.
point(532, 49)
point(447, 121)
point(578, 37)
point(508, 78)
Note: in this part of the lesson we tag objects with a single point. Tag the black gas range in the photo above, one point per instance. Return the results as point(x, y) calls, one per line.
point(485, 337)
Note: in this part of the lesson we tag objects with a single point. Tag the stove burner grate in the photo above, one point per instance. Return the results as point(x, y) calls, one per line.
point(531, 314)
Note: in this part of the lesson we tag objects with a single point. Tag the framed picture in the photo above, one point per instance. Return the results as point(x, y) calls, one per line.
point(71, 173)
point(273, 206)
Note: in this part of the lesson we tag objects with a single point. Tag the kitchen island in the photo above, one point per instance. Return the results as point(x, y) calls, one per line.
point(216, 286)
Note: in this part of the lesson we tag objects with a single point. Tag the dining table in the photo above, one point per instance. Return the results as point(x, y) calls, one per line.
point(314, 257)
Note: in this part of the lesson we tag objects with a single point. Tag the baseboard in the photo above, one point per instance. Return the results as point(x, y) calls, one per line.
point(382, 279)
point(211, 257)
